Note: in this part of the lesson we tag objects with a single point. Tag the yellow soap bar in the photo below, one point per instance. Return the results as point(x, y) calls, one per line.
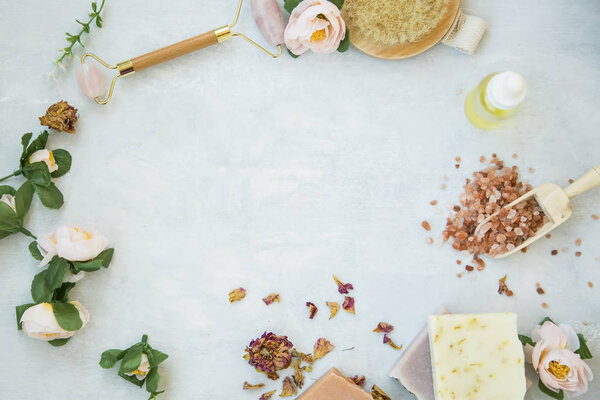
point(476, 357)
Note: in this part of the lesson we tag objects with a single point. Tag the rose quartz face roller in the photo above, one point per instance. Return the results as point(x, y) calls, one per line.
point(268, 17)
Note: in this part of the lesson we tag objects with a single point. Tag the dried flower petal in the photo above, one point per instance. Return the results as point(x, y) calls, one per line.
point(298, 375)
point(237, 294)
point(348, 304)
point(307, 358)
point(387, 340)
point(248, 386)
point(358, 380)
point(312, 309)
point(289, 388)
point(322, 348)
point(503, 288)
point(379, 394)
point(383, 327)
point(343, 288)
point(333, 307)
point(270, 353)
point(267, 396)
point(60, 116)
point(270, 299)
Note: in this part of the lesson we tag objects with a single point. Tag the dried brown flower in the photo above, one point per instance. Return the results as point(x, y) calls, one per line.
point(248, 386)
point(379, 394)
point(270, 299)
point(298, 375)
point(358, 380)
point(348, 304)
point(237, 294)
point(333, 307)
point(383, 327)
point(503, 288)
point(312, 309)
point(289, 388)
point(321, 348)
point(268, 395)
point(60, 116)
point(269, 354)
point(343, 288)
point(387, 340)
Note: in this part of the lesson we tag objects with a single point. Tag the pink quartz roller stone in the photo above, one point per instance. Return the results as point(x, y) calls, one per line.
point(90, 81)
point(269, 19)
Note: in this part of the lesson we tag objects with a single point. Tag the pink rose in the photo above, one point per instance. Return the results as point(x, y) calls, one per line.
point(554, 359)
point(315, 25)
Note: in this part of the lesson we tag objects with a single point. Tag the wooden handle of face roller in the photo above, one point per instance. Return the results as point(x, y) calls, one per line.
point(173, 51)
point(588, 181)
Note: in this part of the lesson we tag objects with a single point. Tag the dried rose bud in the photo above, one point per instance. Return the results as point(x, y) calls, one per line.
point(270, 353)
point(312, 309)
point(333, 307)
point(289, 388)
point(348, 304)
point(383, 327)
point(321, 348)
point(343, 288)
point(270, 299)
point(60, 116)
point(387, 340)
point(248, 386)
point(237, 294)
point(379, 394)
point(298, 375)
point(358, 380)
point(267, 396)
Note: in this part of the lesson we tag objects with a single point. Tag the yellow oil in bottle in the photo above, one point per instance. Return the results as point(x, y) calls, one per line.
point(480, 111)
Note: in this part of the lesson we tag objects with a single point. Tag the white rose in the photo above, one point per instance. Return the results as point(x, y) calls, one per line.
point(73, 243)
point(142, 370)
point(40, 323)
point(10, 200)
point(45, 156)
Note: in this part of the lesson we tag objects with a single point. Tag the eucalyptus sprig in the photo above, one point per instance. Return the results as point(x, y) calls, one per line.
point(139, 365)
point(85, 28)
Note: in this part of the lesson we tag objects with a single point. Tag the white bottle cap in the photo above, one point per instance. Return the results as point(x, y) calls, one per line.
point(506, 90)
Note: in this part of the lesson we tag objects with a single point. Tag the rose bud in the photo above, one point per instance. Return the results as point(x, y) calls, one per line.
point(40, 323)
point(73, 243)
point(46, 156)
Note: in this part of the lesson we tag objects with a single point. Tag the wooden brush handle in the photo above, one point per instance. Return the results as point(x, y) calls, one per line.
point(588, 181)
point(173, 51)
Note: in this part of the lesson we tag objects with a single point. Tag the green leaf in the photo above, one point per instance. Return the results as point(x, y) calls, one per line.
point(67, 316)
point(292, 54)
point(526, 340)
point(131, 379)
point(132, 359)
point(94, 5)
point(289, 5)
point(23, 199)
point(39, 143)
point(5, 189)
point(20, 310)
point(338, 3)
point(45, 283)
point(37, 173)
point(547, 319)
point(152, 380)
point(50, 196)
point(558, 396)
point(101, 261)
point(58, 342)
point(98, 22)
point(63, 160)
point(344, 44)
point(9, 222)
point(157, 358)
point(35, 251)
point(109, 358)
point(62, 293)
point(583, 350)
point(24, 142)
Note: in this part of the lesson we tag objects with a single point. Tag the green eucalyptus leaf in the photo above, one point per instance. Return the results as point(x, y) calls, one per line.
point(132, 359)
point(39, 143)
point(109, 358)
point(23, 199)
point(157, 358)
point(526, 340)
point(20, 310)
point(67, 316)
point(63, 160)
point(558, 396)
point(24, 142)
point(338, 3)
point(58, 342)
point(62, 293)
point(152, 380)
point(9, 222)
point(583, 350)
point(101, 261)
point(35, 251)
point(289, 5)
point(344, 44)
point(50, 196)
point(5, 189)
point(37, 173)
point(132, 379)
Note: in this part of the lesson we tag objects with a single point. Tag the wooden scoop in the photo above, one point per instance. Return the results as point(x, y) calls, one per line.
point(556, 203)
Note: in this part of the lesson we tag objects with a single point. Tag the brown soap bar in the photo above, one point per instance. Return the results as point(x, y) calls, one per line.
point(334, 386)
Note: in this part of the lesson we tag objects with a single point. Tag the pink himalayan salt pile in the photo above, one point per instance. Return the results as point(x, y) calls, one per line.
point(489, 191)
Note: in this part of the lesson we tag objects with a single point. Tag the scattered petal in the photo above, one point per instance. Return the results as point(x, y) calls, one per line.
point(270, 299)
point(348, 304)
point(387, 340)
point(289, 388)
point(298, 375)
point(307, 358)
point(322, 348)
point(343, 288)
point(237, 294)
point(503, 288)
point(267, 396)
point(248, 386)
point(358, 380)
point(312, 309)
point(333, 307)
point(60, 116)
point(383, 327)
point(379, 394)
